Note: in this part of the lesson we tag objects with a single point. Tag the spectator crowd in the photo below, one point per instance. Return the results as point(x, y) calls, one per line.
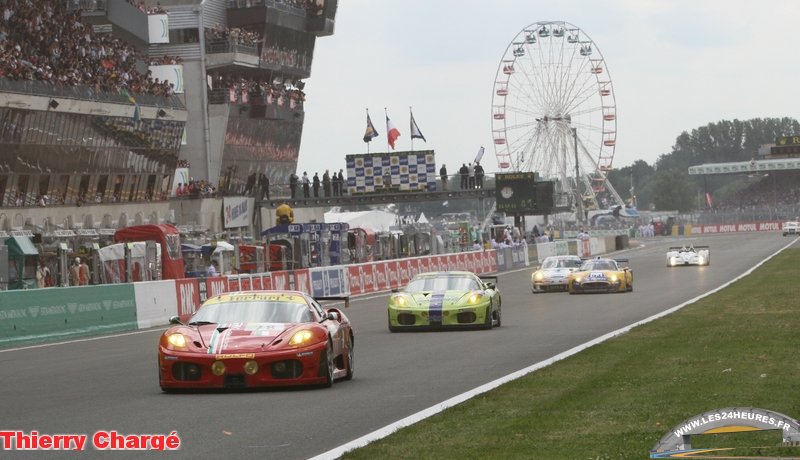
point(46, 41)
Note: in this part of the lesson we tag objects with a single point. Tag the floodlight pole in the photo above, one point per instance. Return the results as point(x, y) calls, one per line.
point(579, 198)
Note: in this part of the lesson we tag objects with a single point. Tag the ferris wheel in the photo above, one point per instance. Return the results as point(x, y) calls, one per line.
point(554, 112)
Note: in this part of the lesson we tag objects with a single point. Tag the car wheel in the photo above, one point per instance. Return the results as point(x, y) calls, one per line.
point(327, 360)
point(487, 324)
point(499, 315)
point(350, 360)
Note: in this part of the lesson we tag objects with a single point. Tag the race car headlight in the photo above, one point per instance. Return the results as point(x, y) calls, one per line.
point(400, 301)
point(301, 337)
point(218, 368)
point(177, 340)
point(250, 367)
point(701, 260)
point(538, 276)
point(474, 298)
point(614, 278)
point(577, 279)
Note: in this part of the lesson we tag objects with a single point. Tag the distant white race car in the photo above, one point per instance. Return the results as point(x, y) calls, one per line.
point(791, 228)
point(692, 255)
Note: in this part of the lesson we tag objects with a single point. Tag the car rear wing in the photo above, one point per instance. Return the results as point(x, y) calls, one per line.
point(678, 248)
point(345, 299)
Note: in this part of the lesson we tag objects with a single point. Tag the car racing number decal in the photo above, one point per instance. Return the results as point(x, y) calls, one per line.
point(435, 309)
point(597, 276)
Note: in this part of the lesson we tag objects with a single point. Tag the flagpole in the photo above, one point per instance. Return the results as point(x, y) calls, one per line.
point(367, 109)
point(411, 130)
point(386, 113)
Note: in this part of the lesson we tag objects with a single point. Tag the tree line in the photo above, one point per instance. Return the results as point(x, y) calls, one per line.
point(667, 185)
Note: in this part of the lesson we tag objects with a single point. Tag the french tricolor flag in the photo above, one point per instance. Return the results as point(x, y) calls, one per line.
point(392, 133)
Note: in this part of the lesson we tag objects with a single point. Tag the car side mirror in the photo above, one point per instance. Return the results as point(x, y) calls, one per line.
point(395, 290)
point(333, 316)
point(490, 285)
point(174, 320)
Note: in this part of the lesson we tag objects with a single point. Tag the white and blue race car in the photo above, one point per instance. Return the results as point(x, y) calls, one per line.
point(692, 255)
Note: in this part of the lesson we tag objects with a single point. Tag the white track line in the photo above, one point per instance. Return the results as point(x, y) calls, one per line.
point(433, 410)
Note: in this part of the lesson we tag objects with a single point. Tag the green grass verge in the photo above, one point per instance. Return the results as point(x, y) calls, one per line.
point(738, 347)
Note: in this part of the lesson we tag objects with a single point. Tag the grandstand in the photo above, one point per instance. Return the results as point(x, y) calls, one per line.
point(106, 106)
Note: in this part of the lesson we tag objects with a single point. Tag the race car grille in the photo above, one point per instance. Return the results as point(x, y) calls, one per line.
point(406, 319)
point(466, 317)
point(187, 372)
point(234, 381)
point(287, 369)
point(595, 286)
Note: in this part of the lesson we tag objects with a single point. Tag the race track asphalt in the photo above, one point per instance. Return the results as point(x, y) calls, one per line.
point(111, 383)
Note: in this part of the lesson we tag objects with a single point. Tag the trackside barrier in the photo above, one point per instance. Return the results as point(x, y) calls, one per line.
point(56, 313)
point(766, 226)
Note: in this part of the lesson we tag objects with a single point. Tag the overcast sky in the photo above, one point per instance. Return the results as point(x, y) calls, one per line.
point(675, 65)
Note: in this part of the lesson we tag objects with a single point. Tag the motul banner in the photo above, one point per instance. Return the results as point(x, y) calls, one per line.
point(355, 277)
point(767, 226)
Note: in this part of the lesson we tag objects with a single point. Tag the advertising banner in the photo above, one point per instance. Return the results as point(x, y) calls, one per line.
point(158, 28)
point(266, 281)
point(402, 273)
point(181, 178)
point(172, 73)
point(424, 265)
point(381, 274)
point(233, 283)
point(256, 282)
point(188, 295)
point(280, 280)
point(355, 276)
point(328, 281)
point(452, 262)
point(370, 278)
point(34, 315)
point(302, 280)
point(244, 283)
point(237, 211)
point(214, 285)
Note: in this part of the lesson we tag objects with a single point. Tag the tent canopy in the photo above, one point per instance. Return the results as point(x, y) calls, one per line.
point(378, 221)
point(19, 246)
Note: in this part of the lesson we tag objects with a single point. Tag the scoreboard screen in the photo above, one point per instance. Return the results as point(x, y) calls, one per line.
point(520, 193)
point(516, 192)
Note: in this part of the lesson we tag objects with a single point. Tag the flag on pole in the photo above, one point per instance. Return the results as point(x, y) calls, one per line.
point(136, 113)
point(392, 133)
point(709, 200)
point(415, 132)
point(479, 155)
point(370, 133)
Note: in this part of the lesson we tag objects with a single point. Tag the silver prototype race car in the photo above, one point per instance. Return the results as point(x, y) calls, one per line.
point(692, 255)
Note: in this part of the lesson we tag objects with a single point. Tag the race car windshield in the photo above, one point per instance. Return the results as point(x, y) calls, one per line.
point(444, 283)
point(254, 312)
point(599, 265)
point(561, 263)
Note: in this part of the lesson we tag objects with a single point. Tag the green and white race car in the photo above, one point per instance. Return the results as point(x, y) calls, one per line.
point(445, 300)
